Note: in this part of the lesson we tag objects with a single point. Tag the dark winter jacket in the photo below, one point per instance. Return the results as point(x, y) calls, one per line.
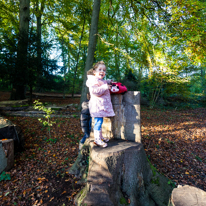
point(85, 117)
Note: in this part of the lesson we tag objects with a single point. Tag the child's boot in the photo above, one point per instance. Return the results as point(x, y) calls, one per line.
point(102, 138)
point(97, 139)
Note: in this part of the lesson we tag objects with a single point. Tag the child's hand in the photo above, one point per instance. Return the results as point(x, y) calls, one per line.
point(109, 81)
point(109, 86)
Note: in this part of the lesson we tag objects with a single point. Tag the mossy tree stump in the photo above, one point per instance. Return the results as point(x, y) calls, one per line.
point(120, 174)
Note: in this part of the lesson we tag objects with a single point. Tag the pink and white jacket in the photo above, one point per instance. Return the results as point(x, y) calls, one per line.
point(100, 104)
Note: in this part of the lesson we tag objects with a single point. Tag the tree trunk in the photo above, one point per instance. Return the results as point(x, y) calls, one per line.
point(64, 71)
point(39, 10)
point(30, 94)
point(39, 43)
point(203, 79)
point(20, 75)
point(91, 47)
point(117, 57)
point(80, 42)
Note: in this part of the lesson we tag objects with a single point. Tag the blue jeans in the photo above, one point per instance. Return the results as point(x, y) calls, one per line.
point(87, 134)
point(98, 123)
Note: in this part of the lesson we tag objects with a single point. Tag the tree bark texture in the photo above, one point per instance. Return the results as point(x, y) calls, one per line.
point(39, 10)
point(91, 47)
point(121, 175)
point(3, 159)
point(39, 43)
point(8, 147)
point(126, 122)
point(20, 75)
point(77, 61)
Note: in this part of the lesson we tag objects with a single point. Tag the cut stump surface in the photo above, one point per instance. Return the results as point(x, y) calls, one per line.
point(188, 196)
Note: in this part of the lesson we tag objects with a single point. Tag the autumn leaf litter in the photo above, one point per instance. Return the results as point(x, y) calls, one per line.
point(174, 142)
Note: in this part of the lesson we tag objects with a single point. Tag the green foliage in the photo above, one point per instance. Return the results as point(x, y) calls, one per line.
point(154, 170)
point(52, 140)
point(155, 180)
point(47, 122)
point(156, 48)
point(123, 201)
point(170, 182)
point(4, 176)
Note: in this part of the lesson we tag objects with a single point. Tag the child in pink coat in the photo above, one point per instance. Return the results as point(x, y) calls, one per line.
point(100, 103)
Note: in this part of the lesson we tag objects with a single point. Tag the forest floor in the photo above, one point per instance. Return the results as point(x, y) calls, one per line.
point(174, 141)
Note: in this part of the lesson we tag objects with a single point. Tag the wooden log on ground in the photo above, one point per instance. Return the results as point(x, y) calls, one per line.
point(121, 175)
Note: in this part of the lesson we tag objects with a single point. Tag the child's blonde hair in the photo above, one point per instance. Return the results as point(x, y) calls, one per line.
point(90, 72)
point(97, 64)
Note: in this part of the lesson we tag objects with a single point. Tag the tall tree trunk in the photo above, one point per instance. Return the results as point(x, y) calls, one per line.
point(20, 76)
point(203, 79)
point(39, 43)
point(139, 78)
point(92, 46)
point(117, 58)
point(80, 42)
point(64, 69)
point(39, 12)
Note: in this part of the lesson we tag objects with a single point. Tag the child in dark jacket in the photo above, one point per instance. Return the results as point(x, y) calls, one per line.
point(85, 120)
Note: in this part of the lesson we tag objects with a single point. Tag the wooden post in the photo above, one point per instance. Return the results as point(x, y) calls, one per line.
point(3, 159)
point(8, 147)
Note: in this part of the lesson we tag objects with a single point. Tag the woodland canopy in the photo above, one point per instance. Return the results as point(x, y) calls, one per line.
point(155, 46)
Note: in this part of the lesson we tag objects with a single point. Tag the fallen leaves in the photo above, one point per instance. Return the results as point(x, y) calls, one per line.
point(40, 173)
point(175, 144)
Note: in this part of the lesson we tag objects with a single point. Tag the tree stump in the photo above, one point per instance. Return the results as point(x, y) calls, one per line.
point(8, 149)
point(121, 175)
point(3, 159)
point(188, 196)
point(8, 130)
point(126, 122)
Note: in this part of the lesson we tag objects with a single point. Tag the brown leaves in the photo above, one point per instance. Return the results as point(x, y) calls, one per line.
point(39, 175)
point(175, 143)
